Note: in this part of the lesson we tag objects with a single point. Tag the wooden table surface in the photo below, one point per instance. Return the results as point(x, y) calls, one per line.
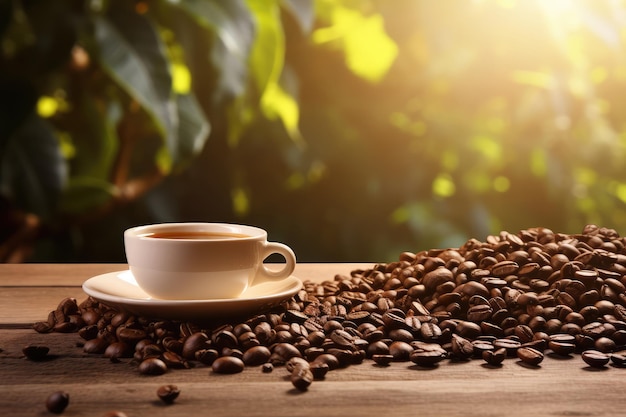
point(28, 292)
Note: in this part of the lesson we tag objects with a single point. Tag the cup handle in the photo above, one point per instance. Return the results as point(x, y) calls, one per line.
point(265, 274)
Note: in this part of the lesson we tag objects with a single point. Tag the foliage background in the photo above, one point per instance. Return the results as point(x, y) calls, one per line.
point(351, 130)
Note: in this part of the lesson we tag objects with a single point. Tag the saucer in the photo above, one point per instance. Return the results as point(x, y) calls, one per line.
point(120, 290)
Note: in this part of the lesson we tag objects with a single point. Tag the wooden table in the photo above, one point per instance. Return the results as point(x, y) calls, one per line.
point(559, 387)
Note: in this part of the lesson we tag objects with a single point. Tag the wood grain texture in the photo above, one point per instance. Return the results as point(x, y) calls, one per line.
point(559, 387)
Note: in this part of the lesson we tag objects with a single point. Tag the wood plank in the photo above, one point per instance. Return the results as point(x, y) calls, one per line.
point(52, 274)
point(76, 274)
point(26, 305)
point(558, 387)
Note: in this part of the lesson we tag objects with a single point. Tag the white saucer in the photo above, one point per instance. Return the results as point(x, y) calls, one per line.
point(119, 290)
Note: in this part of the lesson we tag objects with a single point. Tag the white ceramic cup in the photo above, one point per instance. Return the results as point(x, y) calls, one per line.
point(201, 261)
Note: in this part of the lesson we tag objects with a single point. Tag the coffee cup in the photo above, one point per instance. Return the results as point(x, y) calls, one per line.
point(186, 261)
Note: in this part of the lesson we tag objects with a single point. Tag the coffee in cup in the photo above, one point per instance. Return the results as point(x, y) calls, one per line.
point(186, 261)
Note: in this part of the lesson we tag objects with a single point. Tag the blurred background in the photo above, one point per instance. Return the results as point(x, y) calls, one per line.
point(350, 130)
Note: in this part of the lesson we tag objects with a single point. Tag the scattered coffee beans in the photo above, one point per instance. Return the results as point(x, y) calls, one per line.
point(518, 295)
point(57, 402)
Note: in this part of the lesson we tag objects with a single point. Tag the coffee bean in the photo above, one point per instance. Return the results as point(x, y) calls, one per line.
point(57, 402)
point(36, 352)
point(193, 343)
point(227, 365)
point(267, 367)
point(295, 362)
point(618, 359)
point(42, 327)
point(509, 345)
point(168, 393)
point(319, 369)
point(328, 359)
point(530, 356)
point(206, 356)
point(118, 350)
point(461, 347)
point(97, 345)
point(152, 366)
point(256, 355)
point(595, 358)
point(562, 348)
point(301, 377)
point(400, 351)
point(383, 360)
point(494, 357)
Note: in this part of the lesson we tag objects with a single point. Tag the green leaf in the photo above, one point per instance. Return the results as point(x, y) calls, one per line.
point(134, 56)
point(369, 51)
point(193, 129)
point(232, 24)
point(32, 170)
point(303, 11)
point(267, 62)
point(95, 138)
point(84, 193)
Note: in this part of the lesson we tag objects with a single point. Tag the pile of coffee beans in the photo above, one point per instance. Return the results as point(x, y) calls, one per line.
point(514, 295)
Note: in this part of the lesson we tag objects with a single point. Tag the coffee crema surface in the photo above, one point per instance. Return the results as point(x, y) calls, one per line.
point(195, 235)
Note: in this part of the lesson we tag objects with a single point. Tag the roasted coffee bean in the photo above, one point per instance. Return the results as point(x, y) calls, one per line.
point(118, 350)
point(319, 369)
point(494, 357)
point(174, 360)
point(256, 355)
point(618, 359)
point(152, 366)
point(36, 352)
point(193, 343)
point(605, 344)
point(286, 351)
point(530, 356)
point(328, 359)
point(301, 377)
point(342, 338)
point(130, 335)
point(227, 365)
point(509, 345)
point(462, 348)
point(595, 358)
point(267, 367)
point(427, 358)
point(57, 402)
point(168, 393)
point(295, 362)
point(430, 331)
point(383, 360)
point(377, 348)
point(562, 348)
point(97, 345)
point(400, 351)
